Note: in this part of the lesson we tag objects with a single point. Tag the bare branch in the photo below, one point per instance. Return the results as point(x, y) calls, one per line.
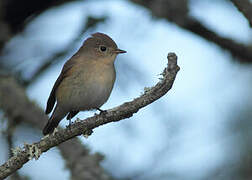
point(243, 52)
point(245, 6)
point(118, 113)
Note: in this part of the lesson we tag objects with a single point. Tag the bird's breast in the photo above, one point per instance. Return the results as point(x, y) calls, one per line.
point(89, 88)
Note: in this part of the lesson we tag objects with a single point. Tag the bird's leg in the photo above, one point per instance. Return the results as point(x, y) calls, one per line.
point(101, 111)
point(69, 118)
point(69, 122)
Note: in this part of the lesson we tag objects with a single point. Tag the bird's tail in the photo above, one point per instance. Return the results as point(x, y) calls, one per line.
point(54, 120)
point(50, 126)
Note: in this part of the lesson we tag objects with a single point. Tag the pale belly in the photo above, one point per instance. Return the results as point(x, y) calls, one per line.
point(90, 96)
point(85, 93)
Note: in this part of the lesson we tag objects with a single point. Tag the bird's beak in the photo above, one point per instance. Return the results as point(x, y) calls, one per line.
point(119, 51)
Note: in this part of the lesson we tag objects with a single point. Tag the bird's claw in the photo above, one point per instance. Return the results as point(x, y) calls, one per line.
point(102, 112)
point(69, 124)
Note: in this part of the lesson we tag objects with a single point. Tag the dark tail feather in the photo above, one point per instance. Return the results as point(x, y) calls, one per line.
point(54, 120)
point(50, 126)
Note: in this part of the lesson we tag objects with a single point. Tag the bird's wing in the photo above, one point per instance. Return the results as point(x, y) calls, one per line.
point(52, 98)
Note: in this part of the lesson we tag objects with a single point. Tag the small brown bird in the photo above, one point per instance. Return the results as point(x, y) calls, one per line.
point(85, 81)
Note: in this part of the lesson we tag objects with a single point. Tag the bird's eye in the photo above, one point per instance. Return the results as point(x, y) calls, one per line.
point(103, 48)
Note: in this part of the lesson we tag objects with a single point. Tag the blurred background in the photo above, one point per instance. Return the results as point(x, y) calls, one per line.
point(200, 130)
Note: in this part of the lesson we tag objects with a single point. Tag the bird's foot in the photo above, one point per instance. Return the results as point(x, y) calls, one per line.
point(102, 112)
point(54, 131)
point(70, 123)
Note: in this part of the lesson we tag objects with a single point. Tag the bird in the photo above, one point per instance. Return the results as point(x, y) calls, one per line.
point(85, 82)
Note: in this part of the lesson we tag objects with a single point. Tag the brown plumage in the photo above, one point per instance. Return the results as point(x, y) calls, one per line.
point(85, 81)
